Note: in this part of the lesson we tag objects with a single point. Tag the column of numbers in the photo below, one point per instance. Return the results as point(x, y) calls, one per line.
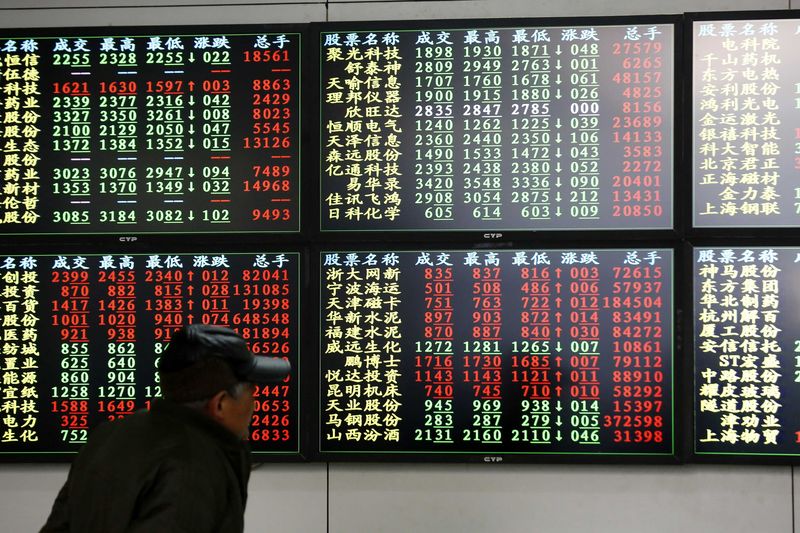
point(166, 295)
point(72, 137)
point(434, 135)
point(70, 317)
point(216, 133)
point(166, 183)
point(271, 109)
point(483, 360)
point(117, 131)
point(483, 132)
point(71, 132)
point(584, 355)
point(638, 361)
point(531, 149)
point(216, 112)
point(168, 128)
point(116, 319)
point(434, 357)
point(74, 185)
point(117, 138)
point(216, 293)
point(584, 135)
point(118, 116)
point(265, 324)
point(166, 290)
point(165, 104)
point(531, 359)
point(637, 128)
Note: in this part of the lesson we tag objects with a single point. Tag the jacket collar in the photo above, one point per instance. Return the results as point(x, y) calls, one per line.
point(200, 421)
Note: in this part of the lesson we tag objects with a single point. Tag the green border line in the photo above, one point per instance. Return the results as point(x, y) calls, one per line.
point(299, 336)
point(490, 453)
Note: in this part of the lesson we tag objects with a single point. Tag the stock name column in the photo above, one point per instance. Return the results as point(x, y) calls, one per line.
point(745, 135)
point(362, 141)
point(20, 410)
point(361, 346)
point(743, 400)
point(21, 111)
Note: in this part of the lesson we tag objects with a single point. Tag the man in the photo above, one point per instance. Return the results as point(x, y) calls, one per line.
point(182, 466)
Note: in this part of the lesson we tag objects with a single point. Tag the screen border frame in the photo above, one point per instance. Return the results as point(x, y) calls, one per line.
point(318, 234)
point(306, 123)
point(303, 316)
point(693, 231)
point(678, 438)
point(690, 411)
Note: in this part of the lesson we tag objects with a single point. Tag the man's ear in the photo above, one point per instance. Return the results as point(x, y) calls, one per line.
point(215, 407)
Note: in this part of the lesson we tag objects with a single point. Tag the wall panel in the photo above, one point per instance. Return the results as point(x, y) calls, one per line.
point(133, 16)
point(525, 8)
point(551, 498)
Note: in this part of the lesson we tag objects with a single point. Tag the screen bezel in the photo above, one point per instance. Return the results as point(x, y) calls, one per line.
point(732, 230)
point(302, 374)
point(318, 234)
point(166, 238)
point(675, 457)
point(690, 411)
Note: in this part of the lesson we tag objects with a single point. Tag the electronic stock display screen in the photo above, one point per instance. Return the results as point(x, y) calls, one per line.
point(746, 108)
point(150, 130)
point(82, 335)
point(449, 353)
point(513, 127)
point(746, 352)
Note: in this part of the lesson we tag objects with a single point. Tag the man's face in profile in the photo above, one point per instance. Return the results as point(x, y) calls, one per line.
point(237, 411)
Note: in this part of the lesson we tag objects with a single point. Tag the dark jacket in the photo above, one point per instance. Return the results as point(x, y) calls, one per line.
point(170, 470)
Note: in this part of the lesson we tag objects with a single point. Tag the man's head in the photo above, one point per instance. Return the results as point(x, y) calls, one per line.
point(212, 367)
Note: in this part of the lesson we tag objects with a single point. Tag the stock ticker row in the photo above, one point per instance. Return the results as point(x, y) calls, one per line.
point(297, 182)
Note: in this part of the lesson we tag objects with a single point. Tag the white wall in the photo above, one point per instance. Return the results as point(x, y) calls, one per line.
point(353, 498)
point(565, 499)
